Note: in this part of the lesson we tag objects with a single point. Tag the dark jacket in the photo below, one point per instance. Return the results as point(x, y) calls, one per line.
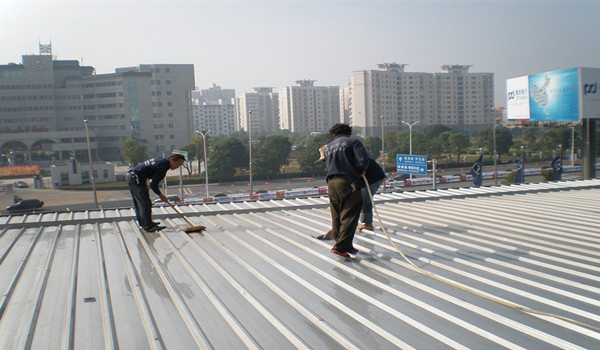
point(345, 157)
point(154, 169)
point(373, 174)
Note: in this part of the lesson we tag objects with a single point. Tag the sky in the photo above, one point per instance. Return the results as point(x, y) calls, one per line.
point(248, 43)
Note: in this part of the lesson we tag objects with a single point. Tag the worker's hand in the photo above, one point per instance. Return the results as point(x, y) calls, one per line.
point(164, 198)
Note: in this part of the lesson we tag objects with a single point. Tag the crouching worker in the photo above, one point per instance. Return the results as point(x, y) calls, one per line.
point(155, 170)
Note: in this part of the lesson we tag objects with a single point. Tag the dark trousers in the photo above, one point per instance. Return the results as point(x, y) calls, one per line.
point(345, 203)
point(141, 201)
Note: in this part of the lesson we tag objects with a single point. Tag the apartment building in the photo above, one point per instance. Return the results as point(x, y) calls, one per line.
point(264, 105)
point(44, 103)
point(453, 97)
point(309, 108)
point(214, 109)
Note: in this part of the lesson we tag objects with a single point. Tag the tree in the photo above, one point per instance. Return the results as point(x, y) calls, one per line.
point(504, 140)
point(272, 154)
point(310, 154)
point(225, 156)
point(550, 141)
point(433, 131)
point(530, 138)
point(373, 146)
point(133, 152)
point(458, 143)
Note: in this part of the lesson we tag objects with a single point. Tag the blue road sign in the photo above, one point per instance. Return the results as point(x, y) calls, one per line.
point(411, 164)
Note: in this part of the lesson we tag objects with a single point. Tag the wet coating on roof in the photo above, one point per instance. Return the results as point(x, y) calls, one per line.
point(257, 277)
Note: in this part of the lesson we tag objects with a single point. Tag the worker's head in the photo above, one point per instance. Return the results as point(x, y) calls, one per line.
point(175, 161)
point(340, 129)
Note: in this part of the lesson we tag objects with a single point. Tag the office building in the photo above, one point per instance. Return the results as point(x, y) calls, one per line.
point(44, 103)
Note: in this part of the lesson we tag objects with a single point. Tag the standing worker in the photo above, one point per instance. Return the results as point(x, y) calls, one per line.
point(375, 177)
point(346, 160)
point(155, 170)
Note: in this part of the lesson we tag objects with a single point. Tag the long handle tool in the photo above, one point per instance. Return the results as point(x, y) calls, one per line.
point(192, 228)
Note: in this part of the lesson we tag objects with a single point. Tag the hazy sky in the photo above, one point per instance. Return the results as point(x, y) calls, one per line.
point(243, 44)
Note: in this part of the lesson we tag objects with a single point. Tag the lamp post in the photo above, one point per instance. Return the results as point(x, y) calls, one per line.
point(522, 164)
point(572, 145)
point(495, 162)
point(87, 137)
point(250, 149)
point(205, 160)
point(410, 138)
point(382, 146)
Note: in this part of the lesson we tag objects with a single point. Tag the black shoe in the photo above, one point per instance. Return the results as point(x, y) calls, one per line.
point(151, 228)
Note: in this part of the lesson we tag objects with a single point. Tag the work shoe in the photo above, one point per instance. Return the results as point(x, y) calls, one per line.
point(326, 237)
point(345, 255)
point(353, 250)
point(151, 228)
point(366, 227)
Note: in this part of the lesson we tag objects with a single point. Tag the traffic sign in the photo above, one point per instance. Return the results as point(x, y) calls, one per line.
point(411, 164)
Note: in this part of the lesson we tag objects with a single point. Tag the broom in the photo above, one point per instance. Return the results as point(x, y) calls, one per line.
point(192, 228)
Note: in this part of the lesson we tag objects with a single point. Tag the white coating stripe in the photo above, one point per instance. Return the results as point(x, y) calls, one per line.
point(152, 333)
point(108, 322)
point(246, 338)
point(195, 330)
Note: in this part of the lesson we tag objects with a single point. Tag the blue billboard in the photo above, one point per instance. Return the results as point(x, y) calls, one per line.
point(554, 96)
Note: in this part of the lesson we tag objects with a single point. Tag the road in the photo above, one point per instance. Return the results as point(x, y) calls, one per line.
point(63, 200)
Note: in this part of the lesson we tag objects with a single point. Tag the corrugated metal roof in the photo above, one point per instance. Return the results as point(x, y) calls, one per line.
point(258, 279)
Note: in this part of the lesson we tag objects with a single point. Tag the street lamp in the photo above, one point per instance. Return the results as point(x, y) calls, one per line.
point(205, 160)
point(382, 147)
point(495, 162)
point(250, 149)
point(410, 138)
point(87, 137)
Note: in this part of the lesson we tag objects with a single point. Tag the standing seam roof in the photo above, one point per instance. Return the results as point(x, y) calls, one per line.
point(258, 279)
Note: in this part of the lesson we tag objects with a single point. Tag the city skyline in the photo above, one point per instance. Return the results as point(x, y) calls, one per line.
point(244, 44)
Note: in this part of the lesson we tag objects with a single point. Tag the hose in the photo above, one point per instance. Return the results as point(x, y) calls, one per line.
point(468, 290)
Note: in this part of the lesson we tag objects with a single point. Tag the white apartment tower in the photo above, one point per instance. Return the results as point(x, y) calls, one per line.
point(214, 109)
point(454, 97)
point(309, 108)
point(264, 105)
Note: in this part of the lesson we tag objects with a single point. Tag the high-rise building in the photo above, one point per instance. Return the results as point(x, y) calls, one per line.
point(214, 109)
point(454, 97)
point(44, 102)
point(309, 108)
point(264, 105)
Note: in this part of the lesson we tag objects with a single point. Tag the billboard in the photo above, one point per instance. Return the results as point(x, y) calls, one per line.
point(517, 98)
point(553, 96)
point(561, 95)
point(590, 95)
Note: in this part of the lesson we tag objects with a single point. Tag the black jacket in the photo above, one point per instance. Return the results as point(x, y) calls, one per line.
point(373, 174)
point(154, 169)
point(345, 157)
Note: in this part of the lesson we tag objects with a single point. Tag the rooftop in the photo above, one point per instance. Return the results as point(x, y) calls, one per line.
point(257, 277)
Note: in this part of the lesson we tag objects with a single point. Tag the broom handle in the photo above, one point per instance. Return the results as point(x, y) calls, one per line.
point(183, 217)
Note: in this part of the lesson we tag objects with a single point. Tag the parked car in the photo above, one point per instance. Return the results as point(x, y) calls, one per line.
point(25, 205)
point(20, 184)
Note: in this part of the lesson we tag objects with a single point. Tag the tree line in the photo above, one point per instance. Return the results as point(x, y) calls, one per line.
point(273, 154)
